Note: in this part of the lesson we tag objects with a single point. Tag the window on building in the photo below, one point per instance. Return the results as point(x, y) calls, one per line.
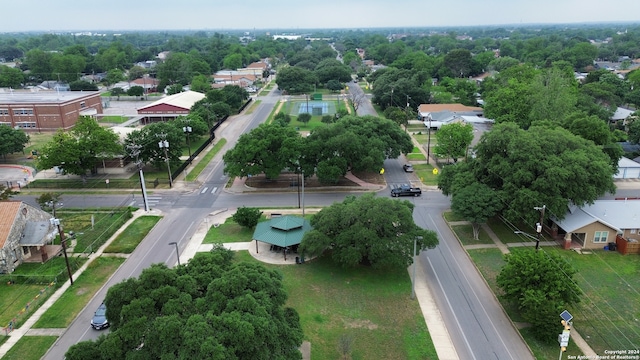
point(4, 111)
point(600, 237)
point(5, 123)
point(632, 231)
point(22, 112)
point(83, 105)
point(25, 250)
point(26, 125)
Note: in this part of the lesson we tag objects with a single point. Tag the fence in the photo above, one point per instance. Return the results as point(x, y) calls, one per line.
point(89, 184)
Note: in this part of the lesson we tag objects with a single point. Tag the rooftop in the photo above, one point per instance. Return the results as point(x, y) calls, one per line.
point(42, 97)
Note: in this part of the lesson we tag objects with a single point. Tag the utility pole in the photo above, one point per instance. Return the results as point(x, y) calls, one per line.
point(429, 140)
point(134, 151)
point(539, 224)
point(63, 241)
point(413, 281)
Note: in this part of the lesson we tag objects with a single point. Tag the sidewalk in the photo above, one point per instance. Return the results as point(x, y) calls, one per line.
point(25, 329)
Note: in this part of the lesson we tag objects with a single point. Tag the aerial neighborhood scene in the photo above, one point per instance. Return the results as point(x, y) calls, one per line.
point(334, 180)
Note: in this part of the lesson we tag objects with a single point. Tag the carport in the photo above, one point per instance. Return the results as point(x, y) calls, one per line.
point(284, 233)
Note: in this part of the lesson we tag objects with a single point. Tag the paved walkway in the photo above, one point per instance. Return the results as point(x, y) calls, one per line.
point(504, 248)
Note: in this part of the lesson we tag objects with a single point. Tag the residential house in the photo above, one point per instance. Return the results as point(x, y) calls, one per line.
point(147, 83)
point(627, 169)
point(26, 235)
point(436, 115)
point(597, 225)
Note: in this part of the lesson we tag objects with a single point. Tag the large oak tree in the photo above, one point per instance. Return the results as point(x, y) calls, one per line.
point(543, 165)
point(369, 230)
point(211, 308)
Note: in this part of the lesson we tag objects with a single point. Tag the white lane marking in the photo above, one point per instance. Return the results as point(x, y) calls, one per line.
point(204, 190)
point(213, 191)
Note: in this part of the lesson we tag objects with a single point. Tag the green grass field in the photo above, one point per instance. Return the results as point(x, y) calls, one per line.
point(129, 239)
point(465, 234)
point(30, 348)
point(14, 298)
point(425, 174)
point(229, 232)
point(371, 307)
point(63, 311)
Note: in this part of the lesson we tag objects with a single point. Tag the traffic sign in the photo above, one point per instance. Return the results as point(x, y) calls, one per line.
point(563, 338)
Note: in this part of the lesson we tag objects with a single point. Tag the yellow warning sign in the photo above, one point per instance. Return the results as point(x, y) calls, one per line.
point(435, 171)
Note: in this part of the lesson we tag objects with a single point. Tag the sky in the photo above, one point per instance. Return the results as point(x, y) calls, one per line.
point(92, 15)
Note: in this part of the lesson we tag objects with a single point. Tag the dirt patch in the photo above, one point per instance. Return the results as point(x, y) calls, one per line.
point(361, 324)
point(81, 291)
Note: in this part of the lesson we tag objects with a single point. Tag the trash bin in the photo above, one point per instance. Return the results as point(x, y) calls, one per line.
point(612, 246)
point(606, 248)
point(297, 260)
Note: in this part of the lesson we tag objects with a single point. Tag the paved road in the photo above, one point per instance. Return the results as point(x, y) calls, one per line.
point(478, 327)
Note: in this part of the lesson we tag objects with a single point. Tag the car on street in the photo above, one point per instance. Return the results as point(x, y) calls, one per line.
point(99, 320)
point(405, 190)
point(407, 168)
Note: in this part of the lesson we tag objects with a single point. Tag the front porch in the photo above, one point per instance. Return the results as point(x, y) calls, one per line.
point(41, 254)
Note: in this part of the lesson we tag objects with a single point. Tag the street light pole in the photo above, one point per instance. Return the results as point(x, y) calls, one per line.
point(177, 251)
point(429, 139)
point(164, 144)
point(63, 241)
point(135, 152)
point(413, 281)
point(187, 130)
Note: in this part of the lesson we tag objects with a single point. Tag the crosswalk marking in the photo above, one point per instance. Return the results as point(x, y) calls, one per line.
point(204, 190)
point(213, 191)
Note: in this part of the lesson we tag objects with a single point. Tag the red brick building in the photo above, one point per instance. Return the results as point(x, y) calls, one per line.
point(47, 111)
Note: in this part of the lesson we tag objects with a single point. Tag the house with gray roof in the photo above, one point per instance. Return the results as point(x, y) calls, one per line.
point(596, 225)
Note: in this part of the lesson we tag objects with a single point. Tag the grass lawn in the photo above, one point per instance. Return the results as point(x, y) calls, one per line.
point(425, 174)
point(451, 216)
point(30, 348)
point(129, 239)
point(116, 119)
point(91, 234)
point(506, 232)
point(13, 298)
point(77, 296)
point(199, 167)
point(229, 232)
point(465, 234)
point(416, 157)
point(608, 316)
point(372, 307)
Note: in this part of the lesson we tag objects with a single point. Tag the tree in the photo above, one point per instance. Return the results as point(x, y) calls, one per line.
point(540, 284)
point(49, 201)
point(282, 118)
point(12, 140)
point(304, 118)
point(334, 85)
point(356, 143)
point(5, 193)
point(11, 77)
point(79, 150)
point(296, 80)
point(113, 77)
point(367, 230)
point(453, 140)
point(136, 72)
point(81, 85)
point(201, 83)
point(459, 62)
point(247, 217)
point(117, 91)
point(267, 149)
point(135, 91)
point(539, 166)
point(356, 99)
point(475, 203)
point(148, 138)
point(232, 61)
point(211, 308)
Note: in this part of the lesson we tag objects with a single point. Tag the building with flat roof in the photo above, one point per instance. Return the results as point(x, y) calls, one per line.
point(47, 110)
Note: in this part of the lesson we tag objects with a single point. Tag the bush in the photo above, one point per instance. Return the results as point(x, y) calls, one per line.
point(247, 217)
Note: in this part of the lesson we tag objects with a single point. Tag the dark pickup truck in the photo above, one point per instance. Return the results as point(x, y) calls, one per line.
point(405, 190)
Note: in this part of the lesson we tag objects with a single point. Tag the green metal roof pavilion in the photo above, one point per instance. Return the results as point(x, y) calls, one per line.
point(282, 231)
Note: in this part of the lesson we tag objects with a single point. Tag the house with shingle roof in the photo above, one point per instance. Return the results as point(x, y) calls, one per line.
point(26, 235)
point(436, 115)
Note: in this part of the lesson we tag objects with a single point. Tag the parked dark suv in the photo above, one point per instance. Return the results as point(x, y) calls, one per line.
point(99, 320)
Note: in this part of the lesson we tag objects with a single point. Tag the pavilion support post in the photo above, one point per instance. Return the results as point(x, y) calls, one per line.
point(256, 246)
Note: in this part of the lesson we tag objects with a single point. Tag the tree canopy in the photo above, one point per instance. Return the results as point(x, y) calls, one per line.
point(368, 230)
point(211, 308)
point(453, 140)
point(12, 140)
point(540, 284)
point(528, 168)
point(80, 149)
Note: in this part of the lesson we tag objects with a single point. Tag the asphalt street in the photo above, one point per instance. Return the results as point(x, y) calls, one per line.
point(476, 322)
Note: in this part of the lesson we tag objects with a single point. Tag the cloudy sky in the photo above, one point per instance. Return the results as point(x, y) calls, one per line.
point(57, 15)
